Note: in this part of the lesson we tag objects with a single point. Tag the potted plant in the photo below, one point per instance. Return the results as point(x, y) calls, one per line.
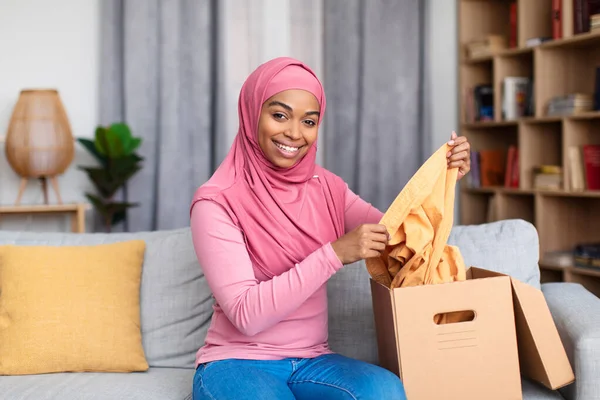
point(114, 147)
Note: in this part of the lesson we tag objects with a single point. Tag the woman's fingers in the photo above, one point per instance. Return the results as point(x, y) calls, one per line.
point(379, 238)
point(464, 146)
point(457, 140)
point(460, 155)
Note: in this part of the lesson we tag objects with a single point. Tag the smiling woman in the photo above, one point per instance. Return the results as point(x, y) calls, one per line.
point(288, 126)
point(270, 228)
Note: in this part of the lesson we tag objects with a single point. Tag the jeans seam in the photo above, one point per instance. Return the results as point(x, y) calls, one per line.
point(325, 384)
point(204, 388)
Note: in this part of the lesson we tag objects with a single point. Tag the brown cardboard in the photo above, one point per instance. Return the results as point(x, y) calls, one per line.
point(468, 360)
point(542, 356)
point(512, 333)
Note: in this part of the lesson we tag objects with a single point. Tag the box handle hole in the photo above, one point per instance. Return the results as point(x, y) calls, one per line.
point(454, 317)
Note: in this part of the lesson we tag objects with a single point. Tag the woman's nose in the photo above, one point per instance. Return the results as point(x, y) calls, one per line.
point(293, 132)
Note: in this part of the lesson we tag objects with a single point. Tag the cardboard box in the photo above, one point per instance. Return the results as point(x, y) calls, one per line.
point(510, 333)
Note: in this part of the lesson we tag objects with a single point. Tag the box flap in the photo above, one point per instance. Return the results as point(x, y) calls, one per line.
point(541, 353)
point(542, 356)
point(383, 311)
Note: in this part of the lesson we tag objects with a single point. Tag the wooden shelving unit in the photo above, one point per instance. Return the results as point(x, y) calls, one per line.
point(75, 211)
point(563, 218)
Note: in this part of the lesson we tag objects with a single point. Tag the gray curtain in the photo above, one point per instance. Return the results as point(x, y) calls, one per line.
point(156, 75)
point(373, 63)
point(172, 70)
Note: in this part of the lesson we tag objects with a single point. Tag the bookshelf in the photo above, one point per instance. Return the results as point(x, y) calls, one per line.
point(565, 216)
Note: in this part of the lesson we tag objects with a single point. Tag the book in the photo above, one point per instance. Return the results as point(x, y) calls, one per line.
point(587, 255)
point(515, 97)
point(557, 19)
point(575, 169)
point(474, 180)
point(547, 177)
point(513, 25)
point(511, 177)
point(570, 104)
point(591, 161)
point(492, 165)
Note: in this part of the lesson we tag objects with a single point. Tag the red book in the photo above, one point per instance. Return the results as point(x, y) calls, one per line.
point(510, 162)
point(557, 19)
point(591, 162)
point(515, 176)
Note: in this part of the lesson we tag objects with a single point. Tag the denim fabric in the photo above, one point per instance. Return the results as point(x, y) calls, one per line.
point(328, 377)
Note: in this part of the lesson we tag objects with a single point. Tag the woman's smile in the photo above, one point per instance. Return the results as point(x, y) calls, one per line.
point(287, 150)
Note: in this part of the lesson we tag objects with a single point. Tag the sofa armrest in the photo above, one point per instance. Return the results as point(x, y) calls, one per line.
point(576, 314)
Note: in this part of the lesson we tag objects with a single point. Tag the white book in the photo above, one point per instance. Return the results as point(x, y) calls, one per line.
point(514, 97)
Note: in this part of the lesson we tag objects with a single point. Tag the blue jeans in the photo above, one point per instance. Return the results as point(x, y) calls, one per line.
point(328, 377)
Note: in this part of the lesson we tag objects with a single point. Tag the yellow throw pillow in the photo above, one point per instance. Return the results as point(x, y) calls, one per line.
point(71, 308)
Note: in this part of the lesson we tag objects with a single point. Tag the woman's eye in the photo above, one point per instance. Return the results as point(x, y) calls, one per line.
point(278, 116)
point(310, 122)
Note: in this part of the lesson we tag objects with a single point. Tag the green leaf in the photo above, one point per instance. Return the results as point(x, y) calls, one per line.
point(105, 183)
point(124, 166)
point(90, 146)
point(108, 142)
point(119, 210)
point(124, 176)
point(118, 217)
point(99, 141)
point(122, 130)
point(123, 135)
point(133, 145)
point(99, 206)
point(96, 202)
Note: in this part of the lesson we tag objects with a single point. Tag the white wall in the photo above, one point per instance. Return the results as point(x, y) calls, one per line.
point(49, 44)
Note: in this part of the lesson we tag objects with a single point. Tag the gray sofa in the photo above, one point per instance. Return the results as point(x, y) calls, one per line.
point(176, 310)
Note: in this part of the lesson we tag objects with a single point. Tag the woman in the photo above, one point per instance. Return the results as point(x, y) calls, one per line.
point(270, 228)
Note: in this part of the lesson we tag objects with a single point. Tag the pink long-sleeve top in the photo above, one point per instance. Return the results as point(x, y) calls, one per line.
point(260, 318)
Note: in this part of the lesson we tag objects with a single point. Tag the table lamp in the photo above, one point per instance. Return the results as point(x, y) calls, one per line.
point(39, 143)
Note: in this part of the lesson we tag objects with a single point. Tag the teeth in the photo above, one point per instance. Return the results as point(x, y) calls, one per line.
point(287, 148)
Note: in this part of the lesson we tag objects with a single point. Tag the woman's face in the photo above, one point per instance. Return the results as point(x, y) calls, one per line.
point(288, 126)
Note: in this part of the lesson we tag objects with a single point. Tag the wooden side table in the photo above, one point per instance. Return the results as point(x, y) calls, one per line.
point(75, 211)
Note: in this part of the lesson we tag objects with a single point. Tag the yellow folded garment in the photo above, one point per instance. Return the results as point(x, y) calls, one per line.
point(419, 223)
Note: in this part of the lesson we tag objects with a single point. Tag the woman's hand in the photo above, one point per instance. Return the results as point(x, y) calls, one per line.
point(365, 241)
point(460, 155)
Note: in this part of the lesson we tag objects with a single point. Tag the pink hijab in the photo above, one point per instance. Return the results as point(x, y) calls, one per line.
point(265, 201)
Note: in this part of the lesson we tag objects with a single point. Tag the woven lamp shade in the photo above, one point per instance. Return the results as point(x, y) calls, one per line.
point(39, 143)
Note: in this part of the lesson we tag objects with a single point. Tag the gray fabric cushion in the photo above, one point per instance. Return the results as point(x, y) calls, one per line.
point(510, 247)
point(576, 314)
point(156, 383)
point(351, 325)
point(535, 391)
point(176, 304)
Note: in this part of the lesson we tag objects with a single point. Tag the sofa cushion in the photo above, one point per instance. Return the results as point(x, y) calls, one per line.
point(510, 247)
point(351, 325)
point(71, 308)
point(156, 383)
point(176, 303)
point(535, 391)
